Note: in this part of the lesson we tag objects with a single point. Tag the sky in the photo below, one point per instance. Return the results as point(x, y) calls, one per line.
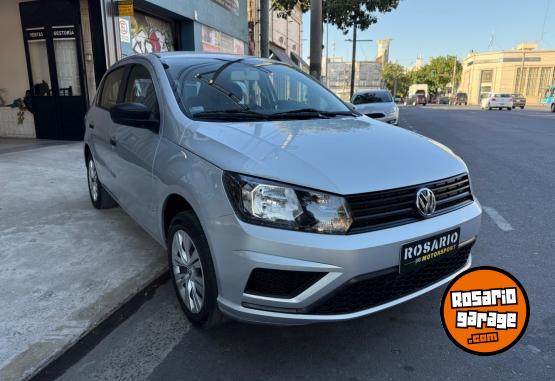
point(447, 27)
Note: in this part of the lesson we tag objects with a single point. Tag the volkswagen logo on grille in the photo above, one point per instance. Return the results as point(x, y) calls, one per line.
point(425, 202)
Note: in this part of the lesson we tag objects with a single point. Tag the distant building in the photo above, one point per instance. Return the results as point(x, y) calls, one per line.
point(417, 64)
point(525, 70)
point(368, 75)
point(382, 56)
point(285, 34)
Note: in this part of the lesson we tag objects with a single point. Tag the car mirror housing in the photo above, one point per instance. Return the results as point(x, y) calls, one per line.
point(133, 114)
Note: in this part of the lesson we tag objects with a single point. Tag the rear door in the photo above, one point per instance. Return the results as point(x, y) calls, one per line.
point(136, 149)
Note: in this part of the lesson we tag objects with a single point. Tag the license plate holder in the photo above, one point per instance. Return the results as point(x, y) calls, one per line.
point(418, 253)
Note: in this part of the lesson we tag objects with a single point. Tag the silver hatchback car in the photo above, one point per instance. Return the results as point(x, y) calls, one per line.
point(276, 202)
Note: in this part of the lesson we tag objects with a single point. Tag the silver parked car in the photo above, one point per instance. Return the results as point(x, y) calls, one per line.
point(276, 202)
point(376, 104)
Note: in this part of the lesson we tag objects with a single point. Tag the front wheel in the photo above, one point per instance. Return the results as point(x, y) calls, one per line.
point(100, 198)
point(553, 107)
point(192, 271)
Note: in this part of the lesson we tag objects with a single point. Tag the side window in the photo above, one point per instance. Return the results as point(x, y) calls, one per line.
point(140, 89)
point(110, 89)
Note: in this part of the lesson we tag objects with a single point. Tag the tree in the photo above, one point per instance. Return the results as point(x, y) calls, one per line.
point(342, 13)
point(395, 78)
point(440, 72)
point(437, 73)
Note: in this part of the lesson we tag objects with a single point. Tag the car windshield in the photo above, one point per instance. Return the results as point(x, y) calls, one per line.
point(372, 97)
point(248, 88)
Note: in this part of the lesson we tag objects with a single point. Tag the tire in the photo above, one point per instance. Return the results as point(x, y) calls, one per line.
point(193, 266)
point(522, 107)
point(509, 108)
point(553, 107)
point(100, 198)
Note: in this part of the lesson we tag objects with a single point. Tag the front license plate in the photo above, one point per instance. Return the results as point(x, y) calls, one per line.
point(420, 253)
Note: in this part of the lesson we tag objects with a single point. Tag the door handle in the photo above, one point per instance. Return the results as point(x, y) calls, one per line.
point(91, 126)
point(113, 142)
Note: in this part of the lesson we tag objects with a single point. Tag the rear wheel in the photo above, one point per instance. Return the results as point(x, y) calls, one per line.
point(100, 198)
point(522, 107)
point(509, 108)
point(192, 271)
point(553, 107)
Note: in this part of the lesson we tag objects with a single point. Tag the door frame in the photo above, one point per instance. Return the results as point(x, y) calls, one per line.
point(47, 23)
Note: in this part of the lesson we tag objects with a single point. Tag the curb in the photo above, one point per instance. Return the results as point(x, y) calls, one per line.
point(73, 353)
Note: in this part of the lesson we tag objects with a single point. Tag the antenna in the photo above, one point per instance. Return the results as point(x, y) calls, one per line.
point(544, 20)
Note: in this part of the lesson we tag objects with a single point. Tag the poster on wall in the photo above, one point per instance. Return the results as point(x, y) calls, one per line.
point(230, 5)
point(215, 41)
point(150, 34)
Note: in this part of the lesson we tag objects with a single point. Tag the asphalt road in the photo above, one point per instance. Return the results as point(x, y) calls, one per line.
point(511, 156)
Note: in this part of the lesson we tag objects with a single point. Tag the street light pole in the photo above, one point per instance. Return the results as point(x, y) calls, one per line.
point(353, 60)
point(265, 28)
point(316, 38)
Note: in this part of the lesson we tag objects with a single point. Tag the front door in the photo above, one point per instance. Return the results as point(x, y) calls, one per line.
point(57, 94)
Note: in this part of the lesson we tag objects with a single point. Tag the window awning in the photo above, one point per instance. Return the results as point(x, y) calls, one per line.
point(279, 54)
point(300, 62)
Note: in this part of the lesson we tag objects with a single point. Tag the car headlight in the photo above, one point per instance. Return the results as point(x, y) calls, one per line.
point(269, 203)
point(393, 110)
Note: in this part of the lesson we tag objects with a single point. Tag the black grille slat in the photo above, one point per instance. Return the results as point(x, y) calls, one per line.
point(394, 207)
point(393, 213)
point(369, 291)
point(453, 198)
point(452, 192)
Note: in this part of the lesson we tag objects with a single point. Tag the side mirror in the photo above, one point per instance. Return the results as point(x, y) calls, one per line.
point(133, 114)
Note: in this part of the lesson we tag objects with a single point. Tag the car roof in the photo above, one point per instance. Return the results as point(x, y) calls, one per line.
point(364, 91)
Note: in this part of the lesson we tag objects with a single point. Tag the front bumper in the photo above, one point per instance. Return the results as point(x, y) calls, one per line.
point(241, 248)
point(391, 119)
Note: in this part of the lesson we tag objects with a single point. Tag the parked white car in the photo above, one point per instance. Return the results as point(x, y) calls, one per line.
point(497, 100)
point(376, 104)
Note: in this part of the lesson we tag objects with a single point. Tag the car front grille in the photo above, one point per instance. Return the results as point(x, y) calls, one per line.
point(373, 290)
point(385, 209)
point(375, 115)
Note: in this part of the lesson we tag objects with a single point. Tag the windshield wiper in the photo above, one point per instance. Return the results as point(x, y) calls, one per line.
point(230, 115)
point(309, 113)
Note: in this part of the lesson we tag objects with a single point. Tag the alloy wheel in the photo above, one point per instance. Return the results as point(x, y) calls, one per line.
point(93, 180)
point(187, 271)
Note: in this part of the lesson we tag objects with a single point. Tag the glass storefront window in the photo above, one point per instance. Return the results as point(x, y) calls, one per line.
point(40, 71)
point(67, 67)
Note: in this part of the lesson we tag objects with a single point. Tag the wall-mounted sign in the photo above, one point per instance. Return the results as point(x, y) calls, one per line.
point(63, 32)
point(35, 34)
point(215, 41)
point(124, 32)
point(230, 5)
point(125, 8)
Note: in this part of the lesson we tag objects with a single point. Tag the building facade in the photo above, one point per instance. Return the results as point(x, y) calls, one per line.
point(58, 51)
point(285, 34)
point(368, 75)
point(524, 70)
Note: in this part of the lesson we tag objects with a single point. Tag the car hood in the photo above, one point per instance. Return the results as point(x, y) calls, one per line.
point(375, 107)
point(344, 155)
